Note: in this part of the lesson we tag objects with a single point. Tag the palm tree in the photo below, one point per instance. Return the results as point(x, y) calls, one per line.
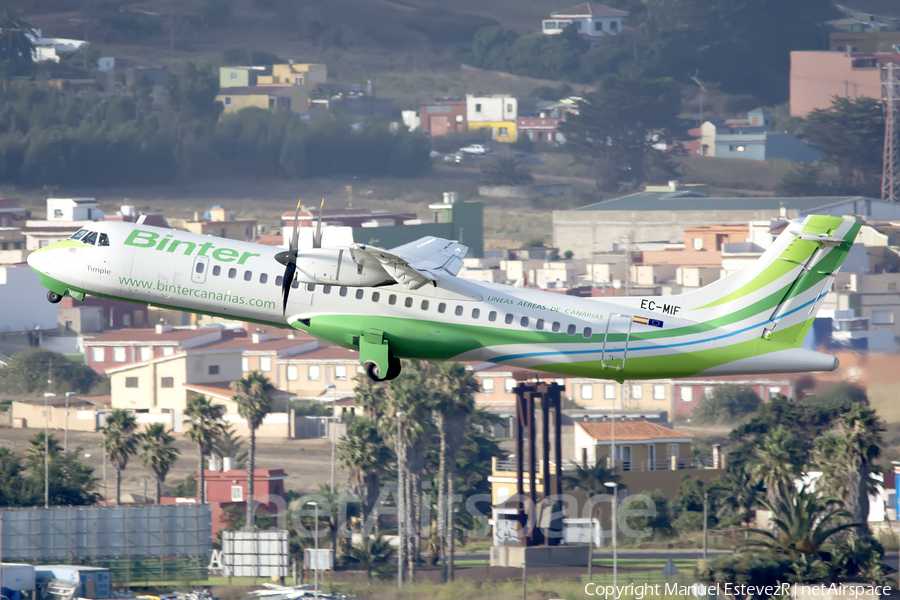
point(36, 449)
point(504, 170)
point(804, 525)
point(119, 442)
point(252, 396)
point(157, 453)
point(231, 446)
point(365, 456)
point(777, 463)
point(373, 555)
point(454, 400)
point(592, 480)
point(205, 429)
point(741, 495)
point(16, 45)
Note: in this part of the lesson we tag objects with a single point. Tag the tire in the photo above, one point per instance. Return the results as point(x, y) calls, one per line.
point(374, 372)
point(53, 297)
point(394, 369)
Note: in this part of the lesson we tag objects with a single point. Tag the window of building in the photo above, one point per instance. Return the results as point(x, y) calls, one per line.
point(145, 353)
point(587, 333)
point(774, 390)
point(424, 304)
point(98, 355)
point(442, 307)
point(487, 386)
point(598, 25)
point(119, 354)
point(738, 148)
point(555, 327)
point(509, 107)
point(376, 296)
point(342, 291)
point(167, 382)
point(609, 391)
point(213, 369)
point(671, 450)
point(233, 76)
point(503, 131)
point(359, 293)
point(232, 273)
point(523, 321)
point(292, 372)
point(298, 80)
point(248, 275)
point(571, 330)
point(587, 392)
point(686, 394)
point(882, 317)
point(509, 384)
point(476, 313)
point(340, 372)
point(168, 351)
point(408, 302)
point(43, 243)
point(245, 364)
point(707, 391)
point(549, 25)
point(637, 392)
point(698, 243)
point(263, 277)
point(492, 316)
point(265, 363)
point(659, 392)
point(315, 373)
point(477, 108)
point(237, 493)
point(227, 100)
point(131, 382)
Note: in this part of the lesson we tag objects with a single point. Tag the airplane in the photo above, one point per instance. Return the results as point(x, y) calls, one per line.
point(408, 302)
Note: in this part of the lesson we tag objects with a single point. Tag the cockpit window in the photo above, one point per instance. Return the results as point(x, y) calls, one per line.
point(90, 238)
point(104, 240)
point(78, 234)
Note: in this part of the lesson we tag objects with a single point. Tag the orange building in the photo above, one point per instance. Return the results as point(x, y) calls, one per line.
point(819, 75)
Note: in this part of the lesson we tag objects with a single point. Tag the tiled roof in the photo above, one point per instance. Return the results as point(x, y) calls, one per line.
point(630, 431)
point(642, 201)
point(326, 353)
point(589, 8)
point(255, 90)
point(223, 390)
point(147, 335)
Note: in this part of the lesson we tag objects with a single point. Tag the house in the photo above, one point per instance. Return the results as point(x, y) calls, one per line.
point(496, 383)
point(325, 372)
point(116, 348)
point(592, 21)
point(267, 346)
point(219, 222)
point(271, 97)
point(640, 445)
point(751, 139)
point(443, 117)
point(595, 394)
point(12, 246)
point(819, 75)
point(94, 315)
point(306, 76)
point(226, 489)
point(10, 211)
point(495, 113)
point(231, 77)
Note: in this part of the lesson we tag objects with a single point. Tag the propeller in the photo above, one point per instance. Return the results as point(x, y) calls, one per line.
point(289, 258)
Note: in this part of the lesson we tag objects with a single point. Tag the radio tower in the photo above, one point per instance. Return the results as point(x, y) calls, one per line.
point(890, 173)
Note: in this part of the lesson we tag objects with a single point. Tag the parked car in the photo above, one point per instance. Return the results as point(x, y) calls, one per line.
point(476, 149)
point(523, 158)
point(461, 156)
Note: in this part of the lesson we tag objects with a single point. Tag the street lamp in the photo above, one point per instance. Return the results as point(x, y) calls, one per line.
point(331, 386)
point(47, 396)
point(615, 488)
point(66, 438)
point(400, 503)
point(316, 560)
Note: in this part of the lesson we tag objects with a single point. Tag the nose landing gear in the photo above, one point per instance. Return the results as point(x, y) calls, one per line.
point(53, 297)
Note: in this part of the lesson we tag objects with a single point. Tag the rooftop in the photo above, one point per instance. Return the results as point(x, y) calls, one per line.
point(256, 90)
point(631, 431)
point(668, 200)
point(589, 9)
point(223, 390)
point(149, 335)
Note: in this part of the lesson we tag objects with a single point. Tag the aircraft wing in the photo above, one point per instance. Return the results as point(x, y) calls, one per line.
point(416, 263)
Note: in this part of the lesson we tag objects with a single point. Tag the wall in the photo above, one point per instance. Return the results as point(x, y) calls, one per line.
point(787, 147)
point(817, 76)
point(241, 77)
point(80, 419)
point(755, 147)
point(24, 301)
point(241, 101)
point(492, 109)
point(501, 131)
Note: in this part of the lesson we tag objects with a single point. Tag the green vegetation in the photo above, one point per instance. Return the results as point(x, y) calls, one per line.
point(16, 48)
point(157, 453)
point(251, 393)
point(206, 427)
point(726, 404)
point(504, 170)
point(28, 372)
point(71, 481)
point(119, 442)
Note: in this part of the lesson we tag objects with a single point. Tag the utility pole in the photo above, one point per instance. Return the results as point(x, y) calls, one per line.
point(705, 528)
point(890, 171)
point(400, 493)
point(47, 397)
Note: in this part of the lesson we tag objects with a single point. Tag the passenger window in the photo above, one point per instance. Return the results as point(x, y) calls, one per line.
point(278, 278)
point(200, 266)
point(524, 322)
point(375, 296)
point(232, 273)
point(326, 289)
point(392, 299)
point(310, 287)
point(492, 316)
point(442, 307)
point(295, 284)
point(476, 313)
point(248, 275)
point(459, 311)
point(555, 326)
point(343, 291)
point(104, 240)
point(509, 319)
point(78, 234)
point(571, 330)
point(539, 324)
point(217, 270)
point(424, 304)
point(263, 277)
point(408, 303)
point(359, 294)
point(587, 332)
point(90, 238)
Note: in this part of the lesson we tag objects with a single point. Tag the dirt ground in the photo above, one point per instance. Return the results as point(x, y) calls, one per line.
point(307, 462)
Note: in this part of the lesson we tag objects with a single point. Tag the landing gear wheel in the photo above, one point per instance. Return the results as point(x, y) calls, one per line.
point(374, 372)
point(393, 368)
point(53, 297)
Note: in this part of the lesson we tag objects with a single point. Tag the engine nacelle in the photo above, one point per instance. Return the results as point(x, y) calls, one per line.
point(335, 266)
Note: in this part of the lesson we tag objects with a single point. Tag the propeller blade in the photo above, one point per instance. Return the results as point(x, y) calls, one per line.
point(317, 239)
point(295, 236)
point(289, 271)
point(290, 261)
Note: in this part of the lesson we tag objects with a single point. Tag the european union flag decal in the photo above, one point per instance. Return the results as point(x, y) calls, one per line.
point(655, 323)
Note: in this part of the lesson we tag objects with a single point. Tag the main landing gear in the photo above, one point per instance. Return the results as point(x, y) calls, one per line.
point(53, 297)
point(374, 372)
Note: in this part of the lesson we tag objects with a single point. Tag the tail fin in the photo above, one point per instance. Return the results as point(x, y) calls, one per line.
point(783, 290)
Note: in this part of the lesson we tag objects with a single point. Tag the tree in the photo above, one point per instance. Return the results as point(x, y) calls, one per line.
point(119, 442)
point(617, 126)
point(373, 555)
point(777, 463)
point(16, 43)
point(589, 479)
point(741, 495)
point(850, 133)
point(12, 485)
point(364, 455)
point(28, 373)
point(252, 396)
point(726, 404)
point(71, 482)
point(231, 446)
point(504, 170)
point(157, 453)
point(206, 428)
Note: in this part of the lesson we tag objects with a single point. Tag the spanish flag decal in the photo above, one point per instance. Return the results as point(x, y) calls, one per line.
point(650, 322)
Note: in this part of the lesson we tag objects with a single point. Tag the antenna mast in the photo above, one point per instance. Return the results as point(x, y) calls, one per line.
point(890, 174)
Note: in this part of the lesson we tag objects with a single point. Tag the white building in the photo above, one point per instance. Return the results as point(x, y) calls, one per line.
point(491, 109)
point(74, 209)
point(592, 21)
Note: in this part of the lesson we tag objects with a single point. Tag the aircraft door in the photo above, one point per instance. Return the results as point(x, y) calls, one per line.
point(201, 266)
point(615, 342)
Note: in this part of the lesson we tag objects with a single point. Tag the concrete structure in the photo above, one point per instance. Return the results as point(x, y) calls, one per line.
point(310, 375)
point(10, 211)
point(219, 222)
point(94, 315)
point(114, 349)
point(662, 213)
point(443, 117)
point(875, 297)
point(12, 246)
point(270, 97)
point(74, 209)
point(230, 77)
point(750, 139)
point(497, 383)
point(640, 445)
point(269, 345)
point(306, 76)
point(864, 41)
point(85, 413)
point(23, 300)
point(591, 21)
point(228, 489)
point(496, 113)
point(819, 75)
